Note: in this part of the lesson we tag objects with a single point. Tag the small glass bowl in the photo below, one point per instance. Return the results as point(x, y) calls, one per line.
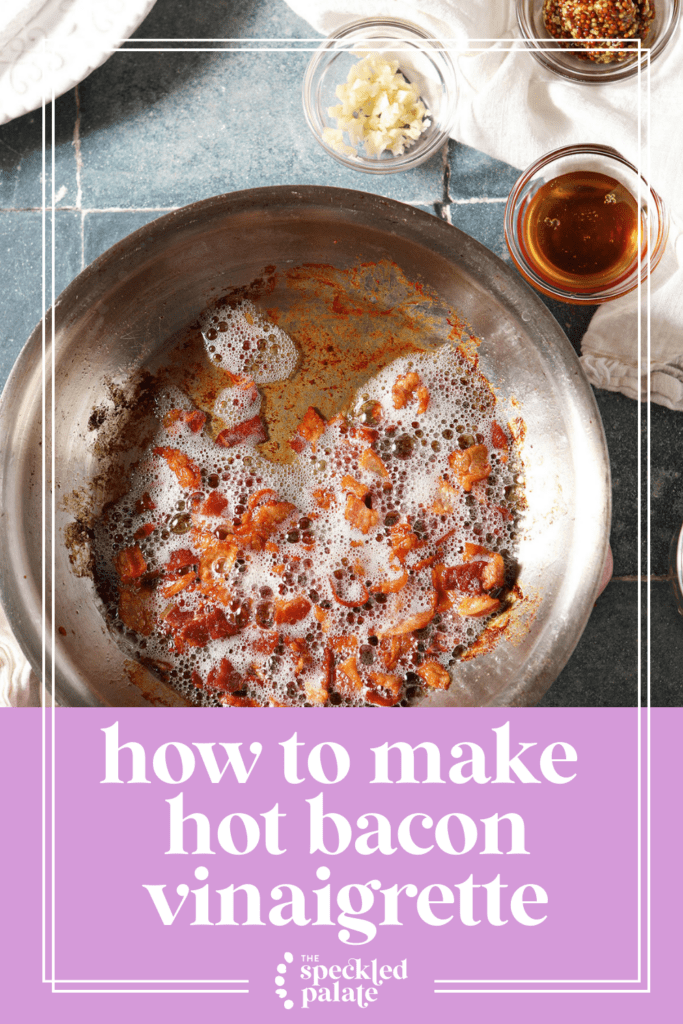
point(566, 63)
point(605, 160)
point(421, 60)
point(676, 568)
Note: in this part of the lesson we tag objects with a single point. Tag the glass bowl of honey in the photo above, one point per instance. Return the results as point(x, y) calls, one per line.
point(571, 38)
point(584, 226)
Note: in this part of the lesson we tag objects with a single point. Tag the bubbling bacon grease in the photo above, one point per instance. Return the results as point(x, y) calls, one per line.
point(357, 576)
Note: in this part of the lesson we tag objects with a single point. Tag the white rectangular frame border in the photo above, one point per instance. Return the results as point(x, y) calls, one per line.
point(643, 782)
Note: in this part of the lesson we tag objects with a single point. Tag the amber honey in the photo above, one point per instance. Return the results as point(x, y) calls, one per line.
point(579, 232)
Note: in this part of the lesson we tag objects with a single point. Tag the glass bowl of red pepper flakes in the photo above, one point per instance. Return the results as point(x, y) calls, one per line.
point(573, 48)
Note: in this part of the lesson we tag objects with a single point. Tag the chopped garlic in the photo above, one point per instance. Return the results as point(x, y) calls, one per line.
point(378, 108)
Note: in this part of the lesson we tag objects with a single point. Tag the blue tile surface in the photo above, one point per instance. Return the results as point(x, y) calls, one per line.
point(21, 245)
point(147, 132)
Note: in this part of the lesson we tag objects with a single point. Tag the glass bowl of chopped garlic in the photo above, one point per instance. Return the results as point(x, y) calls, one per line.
point(379, 95)
point(572, 38)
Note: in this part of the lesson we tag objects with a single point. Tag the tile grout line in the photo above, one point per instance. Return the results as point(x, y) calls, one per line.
point(79, 166)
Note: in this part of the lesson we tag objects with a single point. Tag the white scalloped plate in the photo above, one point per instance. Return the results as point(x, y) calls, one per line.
point(80, 35)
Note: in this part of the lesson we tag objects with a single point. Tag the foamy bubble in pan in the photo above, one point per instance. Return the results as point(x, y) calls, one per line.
point(242, 340)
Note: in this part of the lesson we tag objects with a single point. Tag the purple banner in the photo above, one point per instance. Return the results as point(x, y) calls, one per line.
point(295, 863)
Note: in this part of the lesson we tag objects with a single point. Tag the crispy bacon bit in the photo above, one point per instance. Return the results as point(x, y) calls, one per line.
point(299, 651)
point(192, 418)
point(315, 691)
point(187, 472)
point(466, 578)
point(478, 605)
point(470, 466)
point(257, 526)
point(494, 573)
point(500, 441)
point(391, 586)
point(289, 612)
point(215, 504)
point(322, 617)
point(408, 385)
point(371, 461)
point(349, 484)
point(175, 586)
point(130, 563)
point(359, 515)
point(195, 630)
point(144, 531)
point(224, 677)
point(392, 649)
point(386, 682)
point(217, 560)
point(434, 675)
point(380, 699)
point(144, 504)
point(252, 431)
point(349, 681)
point(311, 428)
point(266, 494)
point(413, 622)
point(135, 612)
point(447, 498)
point(180, 558)
point(323, 499)
point(472, 550)
point(403, 540)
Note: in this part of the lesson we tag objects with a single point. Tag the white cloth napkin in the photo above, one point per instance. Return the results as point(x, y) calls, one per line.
point(514, 110)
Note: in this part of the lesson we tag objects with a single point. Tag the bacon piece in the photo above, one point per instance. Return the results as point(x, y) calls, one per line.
point(209, 624)
point(217, 560)
point(180, 558)
point(348, 678)
point(144, 531)
point(417, 621)
point(407, 386)
point(323, 499)
point(174, 587)
point(252, 431)
point(311, 428)
point(144, 504)
point(459, 577)
point(380, 699)
point(434, 675)
point(257, 526)
point(349, 484)
point(392, 649)
point(478, 605)
point(371, 461)
point(290, 612)
point(187, 472)
point(215, 504)
point(447, 498)
point(494, 573)
point(386, 682)
point(391, 586)
point(192, 418)
point(130, 563)
point(403, 540)
point(472, 550)
point(500, 441)
point(135, 612)
point(359, 515)
point(470, 466)
point(322, 617)
point(265, 494)
point(224, 677)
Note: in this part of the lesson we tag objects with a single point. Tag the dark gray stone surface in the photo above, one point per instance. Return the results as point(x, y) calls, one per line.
point(148, 132)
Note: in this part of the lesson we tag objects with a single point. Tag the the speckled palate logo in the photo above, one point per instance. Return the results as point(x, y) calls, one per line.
point(356, 980)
